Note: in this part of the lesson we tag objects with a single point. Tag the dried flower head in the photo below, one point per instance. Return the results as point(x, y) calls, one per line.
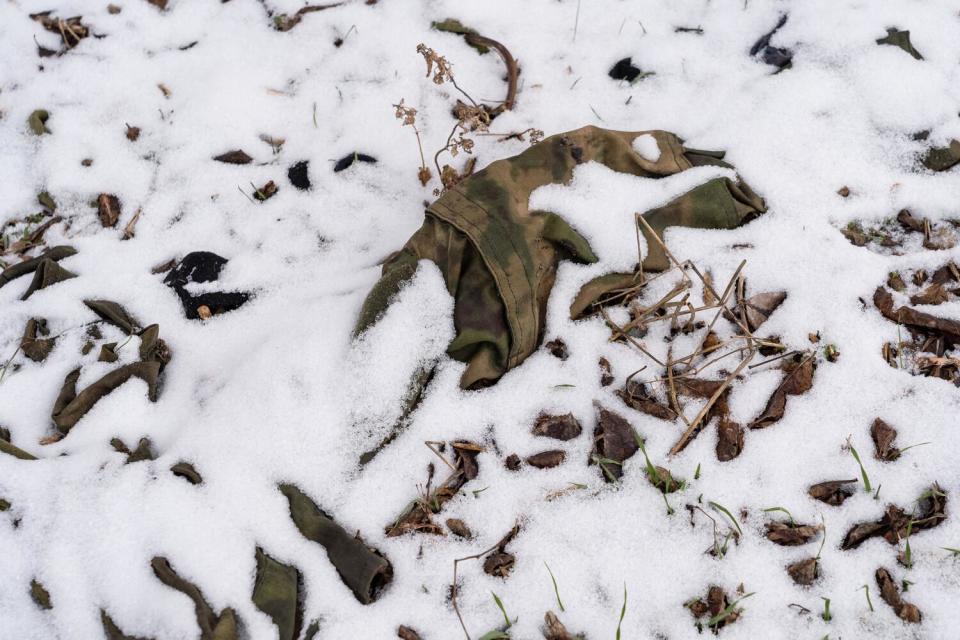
point(443, 70)
point(407, 114)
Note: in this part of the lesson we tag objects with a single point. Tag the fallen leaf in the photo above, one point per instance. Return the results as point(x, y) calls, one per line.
point(614, 439)
point(833, 492)
point(234, 157)
point(933, 294)
point(883, 436)
point(890, 593)
point(783, 533)
point(459, 528)
point(108, 209)
point(804, 572)
point(564, 427)
point(759, 307)
point(797, 379)
point(546, 459)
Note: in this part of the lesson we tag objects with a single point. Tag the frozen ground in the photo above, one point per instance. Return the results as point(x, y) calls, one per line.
point(275, 391)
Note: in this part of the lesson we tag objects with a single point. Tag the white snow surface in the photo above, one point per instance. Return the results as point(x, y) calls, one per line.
point(277, 391)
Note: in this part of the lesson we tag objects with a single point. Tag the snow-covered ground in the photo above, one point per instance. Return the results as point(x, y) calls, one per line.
point(277, 392)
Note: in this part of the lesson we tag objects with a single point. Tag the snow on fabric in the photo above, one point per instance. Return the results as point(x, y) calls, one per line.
point(275, 391)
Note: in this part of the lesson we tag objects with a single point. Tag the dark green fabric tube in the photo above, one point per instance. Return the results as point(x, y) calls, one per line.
point(212, 626)
point(276, 593)
point(362, 569)
point(71, 406)
point(29, 266)
point(47, 273)
point(115, 314)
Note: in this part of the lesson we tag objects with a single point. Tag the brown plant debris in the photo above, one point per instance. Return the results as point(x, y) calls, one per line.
point(237, 156)
point(553, 629)
point(791, 535)
point(713, 607)
point(614, 441)
point(804, 572)
point(459, 528)
point(564, 427)
point(265, 192)
point(797, 380)
point(500, 563)
point(894, 233)
point(893, 526)
point(883, 436)
point(406, 633)
point(418, 517)
point(71, 31)
point(929, 348)
point(558, 348)
point(546, 459)
point(832, 492)
point(606, 373)
point(512, 462)
point(283, 22)
point(758, 308)
point(108, 209)
point(637, 396)
point(890, 593)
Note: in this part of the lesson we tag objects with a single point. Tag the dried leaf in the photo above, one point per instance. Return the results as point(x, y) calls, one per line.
point(759, 307)
point(783, 533)
point(558, 349)
point(804, 572)
point(833, 492)
point(797, 379)
point(635, 396)
point(236, 156)
point(606, 373)
point(564, 427)
point(890, 593)
point(614, 439)
point(933, 294)
point(459, 528)
point(883, 436)
point(546, 459)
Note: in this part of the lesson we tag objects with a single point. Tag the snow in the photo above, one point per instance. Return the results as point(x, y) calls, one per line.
point(277, 391)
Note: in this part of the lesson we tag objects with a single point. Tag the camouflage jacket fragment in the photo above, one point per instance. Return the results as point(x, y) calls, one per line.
point(499, 258)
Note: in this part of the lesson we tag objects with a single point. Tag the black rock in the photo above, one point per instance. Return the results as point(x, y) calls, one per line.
point(349, 159)
point(624, 70)
point(298, 175)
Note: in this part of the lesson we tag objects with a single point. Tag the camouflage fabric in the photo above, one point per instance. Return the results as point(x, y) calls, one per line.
point(499, 258)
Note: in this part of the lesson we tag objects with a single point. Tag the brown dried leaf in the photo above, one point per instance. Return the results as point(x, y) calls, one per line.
point(635, 396)
point(459, 528)
point(553, 629)
point(729, 439)
point(883, 300)
point(790, 536)
point(546, 459)
point(236, 156)
point(833, 492)
point(804, 572)
point(797, 379)
point(883, 436)
point(564, 427)
point(406, 633)
point(558, 349)
point(108, 209)
point(614, 439)
point(933, 294)
point(606, 373)
point(759, 307)
point(890, 593)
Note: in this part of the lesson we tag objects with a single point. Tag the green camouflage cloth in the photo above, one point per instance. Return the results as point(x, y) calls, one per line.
point(499, 259)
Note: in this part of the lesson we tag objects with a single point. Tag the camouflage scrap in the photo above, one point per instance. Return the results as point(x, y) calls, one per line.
point(499, 259)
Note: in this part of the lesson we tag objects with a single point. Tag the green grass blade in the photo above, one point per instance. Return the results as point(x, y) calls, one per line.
point(556, 591)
